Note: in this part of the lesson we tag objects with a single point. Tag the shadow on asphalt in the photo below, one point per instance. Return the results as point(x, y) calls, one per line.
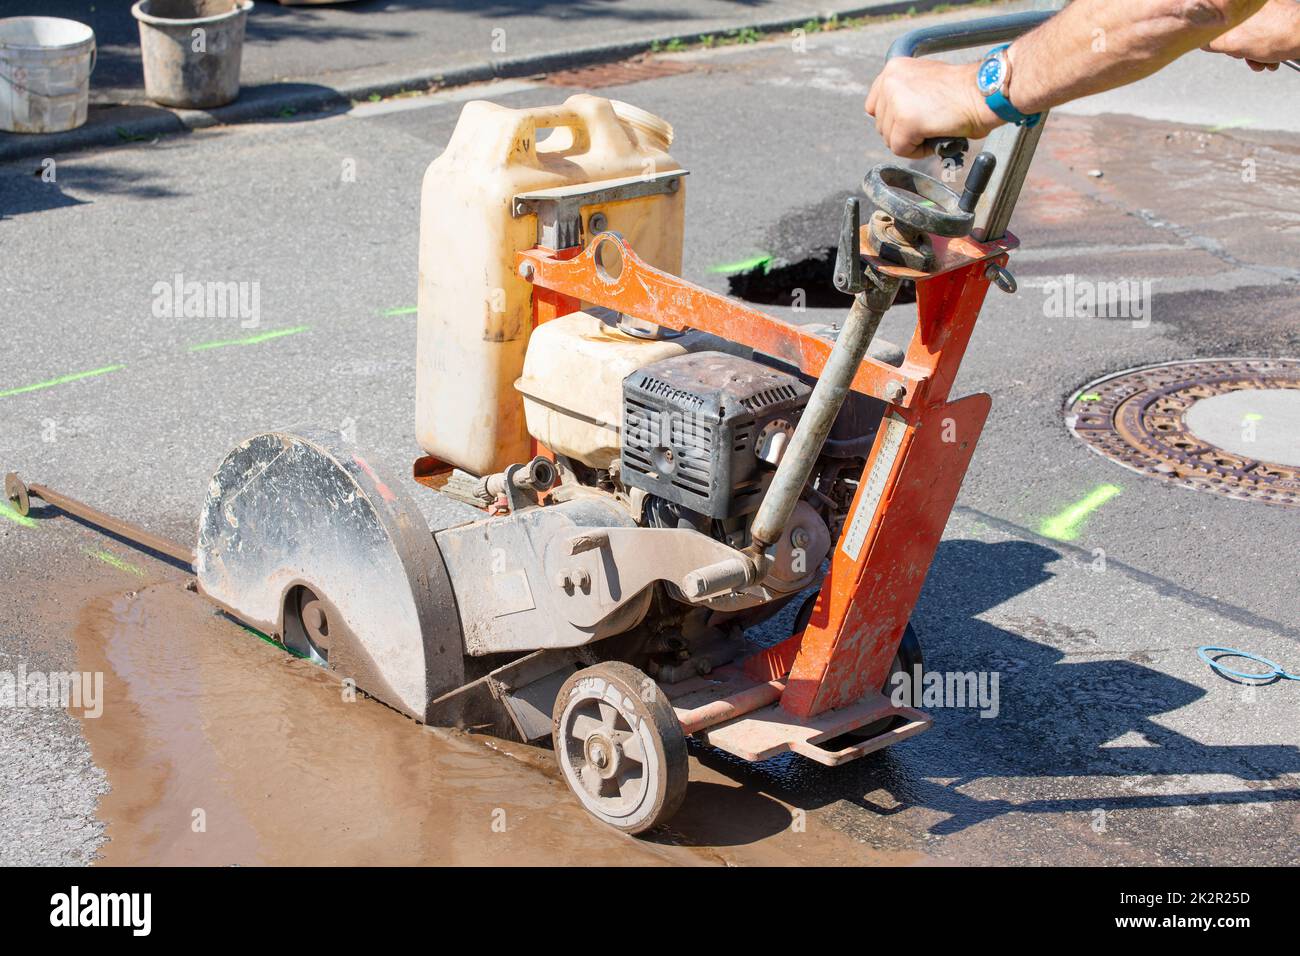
point(118, 39)
point(36, 193)
point(46, 512)
point(1057, 715)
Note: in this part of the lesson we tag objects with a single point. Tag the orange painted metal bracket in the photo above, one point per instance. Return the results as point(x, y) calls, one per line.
point(876, 575)
point(949, 254)
point(551, 304)
point(907, 489)
point(431, 472)
point(640, 290)
point(647, 293)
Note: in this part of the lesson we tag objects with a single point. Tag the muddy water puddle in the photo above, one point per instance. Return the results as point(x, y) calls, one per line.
point(221, 749)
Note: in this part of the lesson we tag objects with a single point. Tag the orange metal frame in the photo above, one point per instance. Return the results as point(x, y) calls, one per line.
point(883, 555)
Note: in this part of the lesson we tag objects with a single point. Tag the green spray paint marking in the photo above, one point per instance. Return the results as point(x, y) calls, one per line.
point(1090, 397)
point(1252, 417)
point(1231, 124)
point(405, 310)
point(272, 641)
point(252, 339)
point(258, 634)
point(114, 561)
point(758, 262)
point(1067, 525)
point(15, 517)
point(62, 380)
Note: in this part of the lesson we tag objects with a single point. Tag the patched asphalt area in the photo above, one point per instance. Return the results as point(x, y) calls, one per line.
point(1112, 743)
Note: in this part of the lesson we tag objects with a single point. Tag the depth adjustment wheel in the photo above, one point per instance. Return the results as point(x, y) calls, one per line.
point(620, 747)
point(917, 202)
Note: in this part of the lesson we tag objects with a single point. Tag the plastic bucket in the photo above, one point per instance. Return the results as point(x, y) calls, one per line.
point(45, 65)
point(191, 62)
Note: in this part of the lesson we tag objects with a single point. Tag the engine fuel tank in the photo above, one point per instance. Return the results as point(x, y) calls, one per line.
point(475, 312)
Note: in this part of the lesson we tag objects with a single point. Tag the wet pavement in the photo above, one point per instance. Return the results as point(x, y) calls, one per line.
point(1112, 741)
point(218, 748)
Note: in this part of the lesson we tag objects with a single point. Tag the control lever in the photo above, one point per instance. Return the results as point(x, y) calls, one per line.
point(977, 180)
point(848, 257)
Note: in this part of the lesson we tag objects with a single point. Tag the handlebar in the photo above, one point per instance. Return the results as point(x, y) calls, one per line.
point(946, 37)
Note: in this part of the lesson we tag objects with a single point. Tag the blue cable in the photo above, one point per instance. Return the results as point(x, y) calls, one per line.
point(1274, 673)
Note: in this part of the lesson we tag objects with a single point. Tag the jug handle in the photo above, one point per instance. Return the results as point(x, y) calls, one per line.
point(552, 117)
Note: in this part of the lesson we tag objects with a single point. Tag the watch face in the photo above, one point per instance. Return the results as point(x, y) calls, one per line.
point(989, 77)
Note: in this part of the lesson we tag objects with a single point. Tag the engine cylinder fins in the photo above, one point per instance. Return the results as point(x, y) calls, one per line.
point(299, 537)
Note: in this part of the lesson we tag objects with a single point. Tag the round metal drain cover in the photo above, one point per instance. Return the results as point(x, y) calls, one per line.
point(1231, 426)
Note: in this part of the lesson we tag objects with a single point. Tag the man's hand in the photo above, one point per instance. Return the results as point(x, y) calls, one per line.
point(1265, 39)
point(914, 100)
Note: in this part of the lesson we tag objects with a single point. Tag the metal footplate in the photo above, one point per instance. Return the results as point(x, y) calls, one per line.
point(771, 730)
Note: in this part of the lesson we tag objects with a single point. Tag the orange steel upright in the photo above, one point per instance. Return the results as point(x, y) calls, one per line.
point(909, 482)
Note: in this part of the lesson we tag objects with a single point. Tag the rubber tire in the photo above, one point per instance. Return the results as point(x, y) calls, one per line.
point(665, 732)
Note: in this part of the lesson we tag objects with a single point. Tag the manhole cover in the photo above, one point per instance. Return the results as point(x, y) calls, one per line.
point(1231, 426)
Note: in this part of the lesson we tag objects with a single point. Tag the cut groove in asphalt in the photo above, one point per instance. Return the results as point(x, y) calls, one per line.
point(1221, 425)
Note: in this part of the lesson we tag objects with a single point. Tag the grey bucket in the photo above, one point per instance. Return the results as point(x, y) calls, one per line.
point(192, 51)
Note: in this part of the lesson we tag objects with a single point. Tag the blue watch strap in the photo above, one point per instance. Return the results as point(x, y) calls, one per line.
point(1003, 107)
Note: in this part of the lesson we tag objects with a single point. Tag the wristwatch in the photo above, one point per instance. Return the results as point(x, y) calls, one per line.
point(992, 78)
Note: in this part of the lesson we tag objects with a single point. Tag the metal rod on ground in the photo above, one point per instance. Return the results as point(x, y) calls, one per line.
point(116, 526)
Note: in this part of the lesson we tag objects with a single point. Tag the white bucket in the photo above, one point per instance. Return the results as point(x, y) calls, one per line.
point(45, 65)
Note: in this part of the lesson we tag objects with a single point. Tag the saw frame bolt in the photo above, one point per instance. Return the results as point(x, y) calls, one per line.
point(581, 578)
point(1000, 277)
point(800, 538)
point(895, 391)
point(563, 581)
point(597, 223)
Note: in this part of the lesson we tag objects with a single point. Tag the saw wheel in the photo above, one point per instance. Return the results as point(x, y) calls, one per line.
point(300, 538)
point(620, 747)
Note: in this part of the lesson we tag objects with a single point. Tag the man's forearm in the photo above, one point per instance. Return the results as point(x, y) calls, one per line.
point(1097, 45)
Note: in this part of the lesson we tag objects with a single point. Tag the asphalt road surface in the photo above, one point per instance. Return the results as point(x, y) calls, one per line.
point(1112, 741)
